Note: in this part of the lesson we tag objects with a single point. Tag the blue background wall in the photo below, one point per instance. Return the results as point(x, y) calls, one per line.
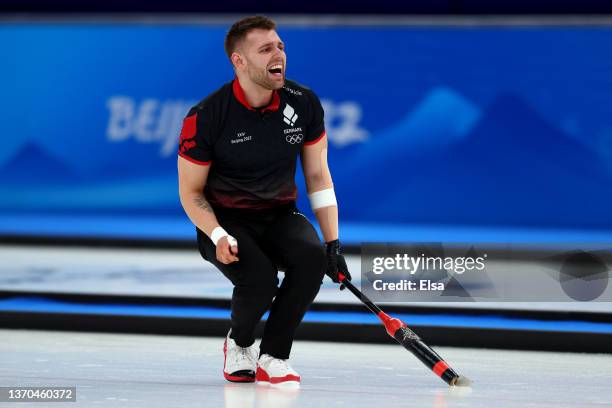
point(471, 127)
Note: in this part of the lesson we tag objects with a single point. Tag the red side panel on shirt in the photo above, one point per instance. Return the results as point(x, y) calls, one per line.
point(187, 139)
point(188, 132)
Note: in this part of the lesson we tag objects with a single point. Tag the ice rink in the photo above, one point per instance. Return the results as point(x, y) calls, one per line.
point(174, 371)
point(131, 370)
point(458, 150)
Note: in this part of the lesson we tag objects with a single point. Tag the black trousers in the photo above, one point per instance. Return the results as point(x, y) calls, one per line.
point(269, 240)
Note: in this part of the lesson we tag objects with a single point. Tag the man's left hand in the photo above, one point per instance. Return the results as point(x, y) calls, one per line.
point(336, 262)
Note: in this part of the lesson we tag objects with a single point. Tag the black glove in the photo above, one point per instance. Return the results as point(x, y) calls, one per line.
point(336, 262)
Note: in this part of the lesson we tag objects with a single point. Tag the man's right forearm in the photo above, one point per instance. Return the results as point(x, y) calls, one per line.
point(199, 211)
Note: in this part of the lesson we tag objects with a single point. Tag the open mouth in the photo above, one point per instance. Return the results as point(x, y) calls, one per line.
point(276, 70)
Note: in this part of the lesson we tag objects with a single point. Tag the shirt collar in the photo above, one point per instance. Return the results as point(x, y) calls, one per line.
point(239, 94)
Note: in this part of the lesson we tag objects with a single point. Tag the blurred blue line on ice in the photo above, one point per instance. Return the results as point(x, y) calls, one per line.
point(42, 305)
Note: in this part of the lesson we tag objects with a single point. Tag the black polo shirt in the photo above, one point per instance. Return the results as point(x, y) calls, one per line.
point(252, 152)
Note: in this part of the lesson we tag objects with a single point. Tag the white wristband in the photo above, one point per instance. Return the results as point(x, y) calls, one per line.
point(232, 241)
point(217, 234)
point(323, 198)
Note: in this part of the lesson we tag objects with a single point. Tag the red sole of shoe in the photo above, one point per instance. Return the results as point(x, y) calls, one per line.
point(234, 378)
point(263, 376)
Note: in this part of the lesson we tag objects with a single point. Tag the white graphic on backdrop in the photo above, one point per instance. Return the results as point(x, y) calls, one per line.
point(147, 121)
point(342, 122)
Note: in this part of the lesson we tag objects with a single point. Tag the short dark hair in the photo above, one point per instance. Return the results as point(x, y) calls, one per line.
point(242, 27)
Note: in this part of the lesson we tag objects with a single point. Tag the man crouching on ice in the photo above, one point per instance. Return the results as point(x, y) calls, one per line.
point(237, 159)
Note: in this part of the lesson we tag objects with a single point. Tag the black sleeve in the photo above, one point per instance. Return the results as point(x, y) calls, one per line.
point(316, 127)
point(195, 142)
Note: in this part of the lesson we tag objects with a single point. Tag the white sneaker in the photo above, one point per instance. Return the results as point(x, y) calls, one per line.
point(276, 371)
point(239, 363)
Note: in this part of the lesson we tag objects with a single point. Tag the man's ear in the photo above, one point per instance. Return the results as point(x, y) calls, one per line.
point(237, 60)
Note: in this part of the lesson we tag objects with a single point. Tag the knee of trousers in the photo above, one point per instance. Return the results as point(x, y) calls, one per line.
point(260, 295)
point(258, 285)
point(309, 263)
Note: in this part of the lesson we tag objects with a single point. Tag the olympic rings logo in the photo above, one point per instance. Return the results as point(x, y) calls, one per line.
point(293, 139)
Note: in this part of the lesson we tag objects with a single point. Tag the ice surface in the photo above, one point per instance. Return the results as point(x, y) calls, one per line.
point(172, 371)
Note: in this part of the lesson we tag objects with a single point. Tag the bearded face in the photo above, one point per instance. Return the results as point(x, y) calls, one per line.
point(265, 59)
